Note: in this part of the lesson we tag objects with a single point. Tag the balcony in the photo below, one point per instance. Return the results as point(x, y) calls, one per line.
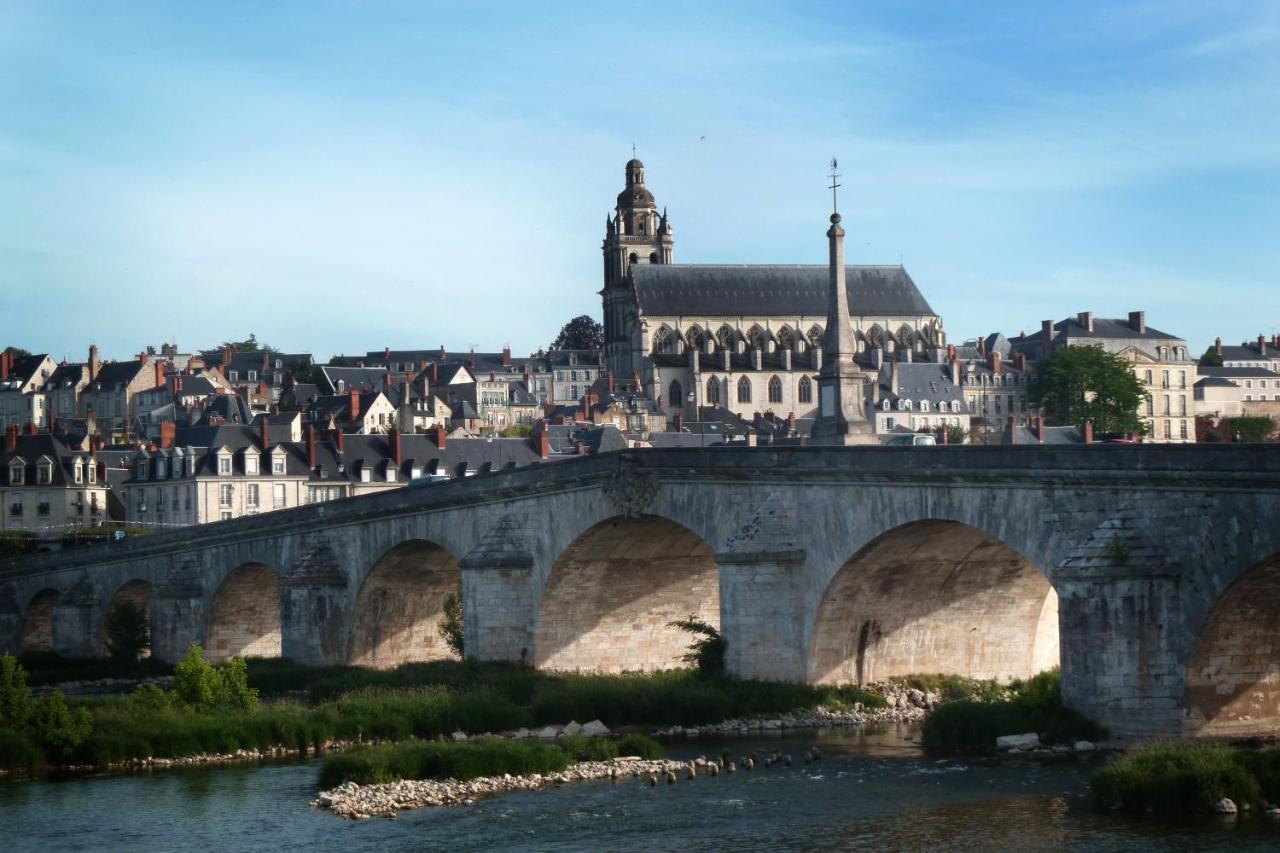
point(15, 509)
point(42, 509)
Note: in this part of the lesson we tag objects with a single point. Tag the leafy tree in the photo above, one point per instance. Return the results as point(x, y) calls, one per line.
point(60, 727)
point(17, 352)
point(204, 687)
point(15, 695)
point(707, 651)
point(580, 333)
point(517, 431)
point(17, 543)
point(1087, 383)
point(1250, 428)
point(956, 434)
point(128, 631)
point(149, 697)
point(1211, 357)
point(451, 626)
point(249, 344)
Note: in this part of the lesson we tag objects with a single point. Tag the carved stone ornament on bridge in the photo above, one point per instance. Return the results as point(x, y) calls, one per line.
point(630, 490)
point(319, 566)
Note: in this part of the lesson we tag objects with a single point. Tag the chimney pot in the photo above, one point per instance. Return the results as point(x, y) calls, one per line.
point(1088, 432)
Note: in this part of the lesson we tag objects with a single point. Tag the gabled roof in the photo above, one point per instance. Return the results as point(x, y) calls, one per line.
point(354, 378)
point(781, 290)
point(1240, 372)
point(114, 373)
point(1103, 328)
point(921, 381)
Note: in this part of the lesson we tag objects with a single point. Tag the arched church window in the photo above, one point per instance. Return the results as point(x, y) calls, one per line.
point(775, 390)
point(786, 338)
point(724, 337)
point(815, 336)
point(806, 390)
point(664, 340)
point(904, 336)
point(675, 394)
point(744, 390)
point(713, 392)
point(755, 335)
point(875, 336)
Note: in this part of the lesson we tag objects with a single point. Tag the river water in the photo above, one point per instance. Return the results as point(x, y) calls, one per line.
point(869, 791)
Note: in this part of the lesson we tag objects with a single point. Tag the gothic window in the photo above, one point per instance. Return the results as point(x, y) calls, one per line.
point(724, 337)
point(663, 340)
point(755, 335)
point(675, 394)
point(904, 336)
point(806, 390)
point(694, 338)
point(744, 390)
point(786, 338)
point(713, 392)
point(875, 336)
point(775, 390)
point(815, 336)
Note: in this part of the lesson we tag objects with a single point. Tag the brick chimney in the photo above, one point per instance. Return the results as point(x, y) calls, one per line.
point(6, 364)
point(1217, 346)
point(636, 387)
point(397, 447)
point(1040, 428)
point(94, 364)
point(955, 372)
point(438, 436)
point(1085, 318)
point(264, 429)
point(997, 366)
point(340, 440)
point(386, 355)
point(1262, 345)
point(311, 447)
point(611, 382)
point(1088, 432)
point(11, 438)
point(544, 443)
point(159, 383)
point(226, 359)
point(506, 355)
point(791, 422)
point(1020, 361)
point(1138, 321)
point(353, 397)
point(168, 432)
point(1046, 337)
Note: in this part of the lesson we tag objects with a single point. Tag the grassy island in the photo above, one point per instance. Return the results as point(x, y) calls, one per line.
point(1177, 777)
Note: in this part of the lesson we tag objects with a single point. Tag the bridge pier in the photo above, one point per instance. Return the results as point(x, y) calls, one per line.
point(10, 621)
point(762, 614)
point(498, 610)
point(315, 618)
point(78, 622)
point(178, 615)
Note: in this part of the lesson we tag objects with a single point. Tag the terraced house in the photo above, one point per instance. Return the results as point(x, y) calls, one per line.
point(51, 484)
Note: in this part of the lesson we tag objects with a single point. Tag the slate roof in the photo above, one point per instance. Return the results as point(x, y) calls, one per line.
point(771, 290)
point(1248, 352)
point(1052, 435)
point(67, 374)
point(921, 381)
point(1103, 328)
point(1240, 372)
point(354, 378)
point(30, 449)
point(230, 407)
point(1216, 382)
point(114, 373)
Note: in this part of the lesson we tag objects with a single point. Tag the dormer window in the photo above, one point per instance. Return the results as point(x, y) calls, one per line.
point(366, 475)
point(224, 464)
point(279, 364)
point(233, 375)
point(884, 404)
point(77, 470)
point(44, 472)
point(250, 462)
point(162, 468)
point(141, 470)
point(191, 464)
point(277, 464)
point(924, 405)
point(253, 376)
point(391, 471)
point(92, 470)
point(17, 473)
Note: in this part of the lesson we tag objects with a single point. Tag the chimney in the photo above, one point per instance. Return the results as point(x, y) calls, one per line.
point(955, 372)
point(311, 447)
point(544, 443)
point(982, 347)
point(1138, 321)
point(6, 358)
point(438, 436)
point(893, 377)
point(266, 361)
point(1046, 337)
point(1262, 345)
point(1013, 430)
point(611, 382)
point(636, 387)
point(386, 355)
point(1217, 346)
point(94, 363)
point(264, 429)
point(1088, 432)
point(354, 398)
point(1040, 428)
point(397, 448)
point(91, 422)
point(168, 431)
point(11, 438)
point(791, 422)
point(159, 375)
point(1020, 361)
point(471, 356)
point(226, 359)
point(506, 355)
point(143, 358)
point(997, 367)
point(31, 428)
point(1085, 318)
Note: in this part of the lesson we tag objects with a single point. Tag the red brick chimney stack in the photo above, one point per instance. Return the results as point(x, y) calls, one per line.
point(611, 382)
point(397, 448)
point(11, 437)
point(1088, 432)
point(311, 446)
point(340, 440)
point(353, 397)
point(6, 364)
point(159, 375)
point(438, 436)
point(1040, 428)
point(1262, 345)
point(506, 355)
point(544, 442)
point(168, 432)
point(264, 428)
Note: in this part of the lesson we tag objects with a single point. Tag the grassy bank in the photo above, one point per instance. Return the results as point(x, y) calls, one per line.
point(1033, 705)
point(468, 760)
point(1181, 777)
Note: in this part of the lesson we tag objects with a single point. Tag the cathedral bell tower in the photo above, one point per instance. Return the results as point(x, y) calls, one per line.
point(634, 234)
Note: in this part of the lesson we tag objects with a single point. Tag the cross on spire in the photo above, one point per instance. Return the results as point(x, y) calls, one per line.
point(834, 184)
point(633, 151)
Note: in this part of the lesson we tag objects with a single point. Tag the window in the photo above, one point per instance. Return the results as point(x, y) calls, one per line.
point(277, 464)
point(1151, 410)
point(1167, 408)
point(806, 390)
point(675, 395)
point(890, 422)
point(713, 392)
point(775, 390)
point(42, 504)
point(224, 465)
point(44, 473)
point(253, 376)
point(186, 498)
point(250, 462)
point(366, 473)
point(15, 508)
point(1168, 429)
point(1149, 377)
point(1164, 379)
point(251, 494)
point(1182, 379)
point(744, 390)
point(277, 495)
point(77, 470)
point(1182, 430)
point(226, 515)
point(233, 375)
point(1182, 405)
point(17, 474)
point(924, 406)
point(92, 469)
point(225, 494)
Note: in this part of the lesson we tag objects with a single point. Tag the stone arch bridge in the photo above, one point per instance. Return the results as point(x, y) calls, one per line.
point(1151, 574)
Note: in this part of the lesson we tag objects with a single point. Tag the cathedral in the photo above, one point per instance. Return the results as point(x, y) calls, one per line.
point(747, 338)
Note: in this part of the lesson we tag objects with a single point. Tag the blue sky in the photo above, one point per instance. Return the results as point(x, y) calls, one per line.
point(338, 177)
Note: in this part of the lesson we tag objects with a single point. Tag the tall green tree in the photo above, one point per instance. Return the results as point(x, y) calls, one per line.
point(580, 333)
point(1087, 383)
point(1211, 357)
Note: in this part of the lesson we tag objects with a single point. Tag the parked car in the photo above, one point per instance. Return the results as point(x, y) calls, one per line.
point(916, 440)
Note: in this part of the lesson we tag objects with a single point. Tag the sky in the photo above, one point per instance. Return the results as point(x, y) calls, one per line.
point(340, 177)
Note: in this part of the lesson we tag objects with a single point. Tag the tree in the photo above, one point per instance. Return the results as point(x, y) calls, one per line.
point(204, 687)
point(580, 333)
point(1249, 428)
point(956, 434)
point(15, 695)
point(128, 631)
point(17, 352)
point(1211, 357)
point(451, 625)
point(1087, 383)
point(707, 651)
point(249, 344)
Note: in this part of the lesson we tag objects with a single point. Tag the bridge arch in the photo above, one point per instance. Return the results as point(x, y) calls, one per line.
point(934, 596)
point(1233, 678)
point(400, 606)
point(244, 620)
point(612, 592)
point(136, 591)
point(37, 622)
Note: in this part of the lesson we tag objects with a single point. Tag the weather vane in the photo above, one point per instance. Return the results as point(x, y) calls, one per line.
point(834, 184)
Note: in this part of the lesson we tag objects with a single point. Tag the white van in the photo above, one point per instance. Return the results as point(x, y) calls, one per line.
point(914, 440)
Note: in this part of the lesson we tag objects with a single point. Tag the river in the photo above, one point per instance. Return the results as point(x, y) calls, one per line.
point(870, 790)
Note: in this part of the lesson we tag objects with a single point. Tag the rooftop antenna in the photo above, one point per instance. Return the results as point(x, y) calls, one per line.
point(633, 151)
point(834, 184)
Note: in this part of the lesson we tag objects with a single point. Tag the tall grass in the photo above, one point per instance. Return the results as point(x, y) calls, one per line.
point(1180, 777)
point(462, 761)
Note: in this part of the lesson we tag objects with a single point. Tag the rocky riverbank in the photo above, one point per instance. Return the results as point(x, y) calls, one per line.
point(359, 802)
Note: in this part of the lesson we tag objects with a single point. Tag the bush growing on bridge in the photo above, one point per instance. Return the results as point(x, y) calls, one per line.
point(128, 631)
point(707, 652)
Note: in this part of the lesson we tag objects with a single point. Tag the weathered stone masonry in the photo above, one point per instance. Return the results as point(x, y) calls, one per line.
point(1149, 572)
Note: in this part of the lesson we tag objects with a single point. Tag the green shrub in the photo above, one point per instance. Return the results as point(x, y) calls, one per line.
point(955, 688)
point(1175, 777)
point(708, 649)
point(17, 543)
point(59, 727)
point(18, 751)
point(641, 745)
point(451, 625)
point(204, 687)
point(584, 748)
point(128, 632)
point(15, 695)
point(462, 761)
point(149, 698)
